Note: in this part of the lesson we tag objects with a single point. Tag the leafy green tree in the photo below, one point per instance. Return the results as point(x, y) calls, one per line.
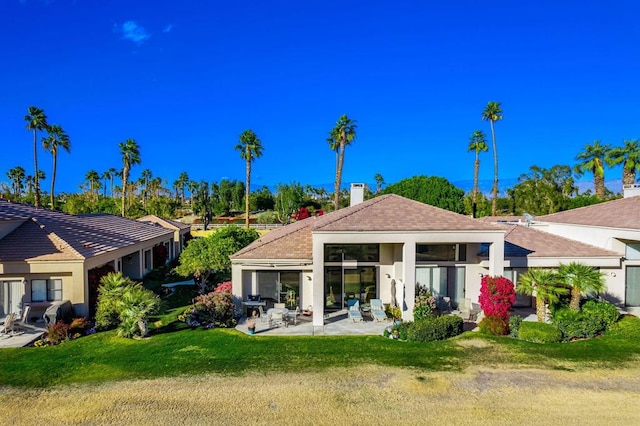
point(56, 139)
point(130, 151)
point(289, 197)
point(545, 285)
point(592, 160)
point(343, 134)
point(543, 191)
point(433, 190)
point(478, 144)
point(379, 182)
point(582, 279)
point(204, 256)
point(250, 148)
point(36, 120)
point(629, 157)
point(262, 199)
point(493, 113)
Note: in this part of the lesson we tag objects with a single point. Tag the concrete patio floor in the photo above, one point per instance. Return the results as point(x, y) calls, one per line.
point(23, 336)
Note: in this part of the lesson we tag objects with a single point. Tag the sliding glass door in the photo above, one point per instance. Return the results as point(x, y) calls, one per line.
point(344, 284)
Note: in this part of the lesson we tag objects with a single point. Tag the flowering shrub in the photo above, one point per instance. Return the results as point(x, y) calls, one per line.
point(494, 324)
point(210, 310)
point(425, 305)
point(497, 294)
point(225, 286)
point(61, 332)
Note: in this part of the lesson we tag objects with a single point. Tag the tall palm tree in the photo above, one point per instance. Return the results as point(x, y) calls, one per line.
point(477, 143)
point(56, 139)
point(145, 178)
point(379, 182)
point(93, 178)
point(629, 157)
point(340, 136)
point(582, 279)
point(180, 184)
point(250, 148)
point(130, 151)
point(17, 176)
point(545, 285)
point(493, 113)
point(36, 120)
point(592, 159)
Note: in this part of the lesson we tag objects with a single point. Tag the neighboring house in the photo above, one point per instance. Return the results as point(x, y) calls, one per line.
point(181, 233)
point(384, 247)
point(46, 256)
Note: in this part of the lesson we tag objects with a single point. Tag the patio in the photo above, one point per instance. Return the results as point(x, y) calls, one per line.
point(23, 336)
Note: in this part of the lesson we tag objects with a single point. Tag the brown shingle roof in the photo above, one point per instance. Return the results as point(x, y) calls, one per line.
point(388, 213)
point(621, 213)
point(167, 223)
point(86, 235)
point(524, 241)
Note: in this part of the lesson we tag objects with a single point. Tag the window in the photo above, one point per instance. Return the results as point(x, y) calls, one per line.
point(441, 252)
point(46, 290)
point(632, 290)
point(632, 251)
point(357, 252)
point(282, 287)
point(147, 260)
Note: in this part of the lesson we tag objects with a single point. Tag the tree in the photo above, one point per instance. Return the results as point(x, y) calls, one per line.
point(36, 120)
point(289, 197)
point(180, 184)
point(433, 190)
point(592, 160)
point(379, 182)
point(94, 180)
point(629, 157)
point(250, 148)
point(582, 279)
point(545, 285)
point(262, 199)
point(201, 202)
point(543, 191)
point(17, 176)
point(56, 139)
point(497, 295)
point(493, 113)
point(130, 156)
point(340, 136)
point(145, 178)
point(205, 256)
point(477, 143)
point(135, 306)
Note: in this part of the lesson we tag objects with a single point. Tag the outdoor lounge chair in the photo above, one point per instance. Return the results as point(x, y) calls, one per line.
point(377, 310)
point(277, 318)
point(8, 325)
point(23, 322)
point(264, 318)
point(353, 312)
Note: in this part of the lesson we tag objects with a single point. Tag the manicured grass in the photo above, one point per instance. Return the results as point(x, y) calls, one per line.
point(176, 351)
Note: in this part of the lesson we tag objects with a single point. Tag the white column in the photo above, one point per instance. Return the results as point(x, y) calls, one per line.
point(317, 287)
point(407, 289)
point(496, 257)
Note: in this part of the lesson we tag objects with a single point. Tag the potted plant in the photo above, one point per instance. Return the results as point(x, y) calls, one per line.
point(396, 313)
point(251, 325)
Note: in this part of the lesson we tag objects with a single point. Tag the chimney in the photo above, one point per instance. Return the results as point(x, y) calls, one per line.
point(630, 190)
point(357, 193)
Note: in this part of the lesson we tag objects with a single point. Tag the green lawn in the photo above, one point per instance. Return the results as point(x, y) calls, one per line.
point(174, 350)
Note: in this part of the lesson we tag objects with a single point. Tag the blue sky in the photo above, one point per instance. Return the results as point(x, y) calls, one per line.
point(185, 78)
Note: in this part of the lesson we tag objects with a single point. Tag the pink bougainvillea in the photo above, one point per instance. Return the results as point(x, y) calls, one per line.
point(497, 294)
point(225, 286)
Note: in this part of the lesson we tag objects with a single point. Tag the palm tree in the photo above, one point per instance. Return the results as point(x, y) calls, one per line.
point(180, 183)
point(130, 156)
point(36, 120)
point(17, 176)
point(493, 113)
point(56, 139)
point(340, 136)
point(545, 285)
point(629, 157)
point(593, 160)
point(94, 179)
point(145, 177)
point(379, 182)
point(250, 147)
point(135, 306)
point(582, 279)
point(477, 143)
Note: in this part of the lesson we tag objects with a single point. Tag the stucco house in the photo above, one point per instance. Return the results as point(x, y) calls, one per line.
point(46, 256)
point(385, 246)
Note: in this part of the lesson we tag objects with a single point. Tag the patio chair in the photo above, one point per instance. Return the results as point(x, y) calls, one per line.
point(8, 325)
point(23, 322)
point(279, 305)
point(353, 311)
point(474, 312)
point(377, 310)
point(277, 318)
point(264, 318)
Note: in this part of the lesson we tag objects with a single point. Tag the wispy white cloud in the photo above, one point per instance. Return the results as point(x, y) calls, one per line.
point(168, 28)
point(130, 30)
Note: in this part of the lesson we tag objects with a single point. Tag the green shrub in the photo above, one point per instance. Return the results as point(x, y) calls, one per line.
point(268, 217)
point(538, 332)
point(434, 328)
point(514, 325)
point(494, 324)
point(593, 320)
point(425, 305)
point(605, 310)
point(214, 309)
point(628, 328)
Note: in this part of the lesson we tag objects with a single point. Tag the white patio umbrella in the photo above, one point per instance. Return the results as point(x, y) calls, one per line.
point(394, 299)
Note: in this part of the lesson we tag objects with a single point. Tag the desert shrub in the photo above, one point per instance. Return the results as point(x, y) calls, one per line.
point(628, 328)
point(434, 328)
point(539, 332)
point(210, 310)
point(514, 325)
point(110, 292)
point(494, 324)
point(497, 294)
point(268, 217)
point(79, 327)
point(605, 310)
point(425, 304)
point(393, 311)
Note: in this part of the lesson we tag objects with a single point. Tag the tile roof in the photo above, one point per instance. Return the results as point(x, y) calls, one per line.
point(81, 236)
point(167, 223)
point(521, 241)
point(387, 213)
point(621, 213)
